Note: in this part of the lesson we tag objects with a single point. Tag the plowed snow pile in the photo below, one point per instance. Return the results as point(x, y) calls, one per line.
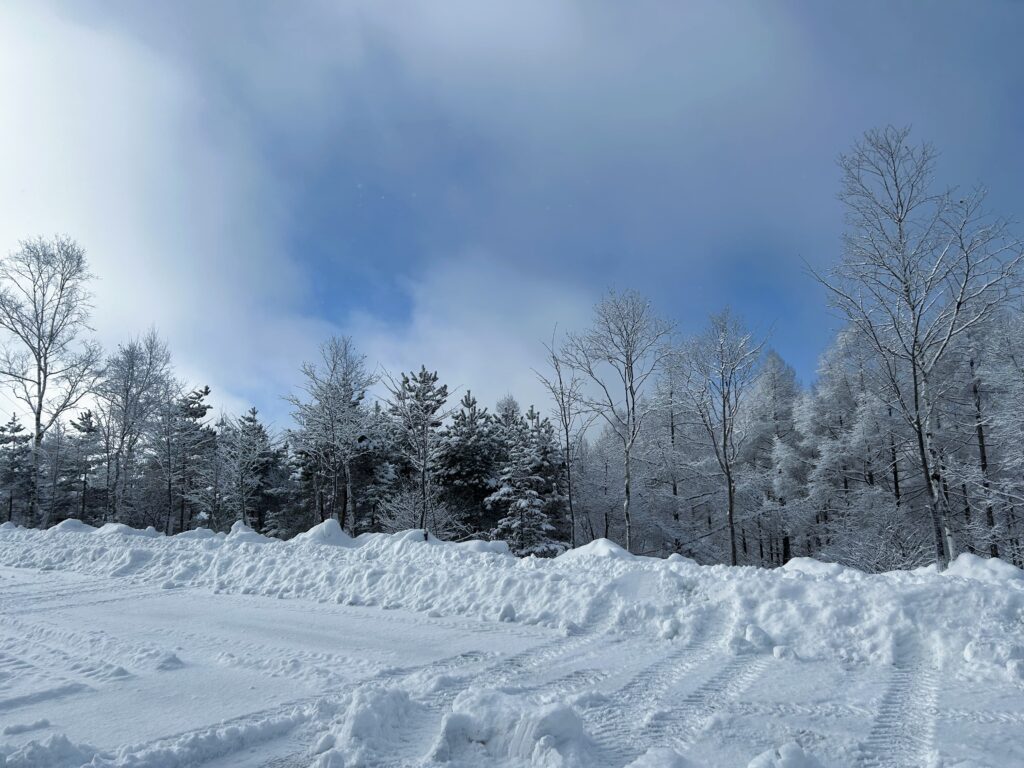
point(392, 650)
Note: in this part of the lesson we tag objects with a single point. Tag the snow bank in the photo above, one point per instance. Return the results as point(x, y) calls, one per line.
point(806, 610)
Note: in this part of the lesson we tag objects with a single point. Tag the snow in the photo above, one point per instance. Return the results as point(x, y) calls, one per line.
point(129, 648)
point(327, 532)
point(993, 571)
point(597, 548)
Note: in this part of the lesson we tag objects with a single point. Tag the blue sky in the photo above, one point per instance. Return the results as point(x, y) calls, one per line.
point(445, 181)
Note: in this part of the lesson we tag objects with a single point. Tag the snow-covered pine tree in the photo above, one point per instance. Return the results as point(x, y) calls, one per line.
point(86, 456)
point(529, 492)
point(16, 470)
point(467, 469)
point(251, 457)
point(416, 406)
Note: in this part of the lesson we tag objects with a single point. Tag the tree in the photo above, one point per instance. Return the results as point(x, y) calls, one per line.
point(17, 470)
point(44, 308)
point(470, 450)
point(250, 457)
point(723, 365)
point(129, 397)
point(920, 269)
point(332, 421)
point(86, 457)
point(566, 389)
point(626, 345)
point(529, 491)
point(416, 405)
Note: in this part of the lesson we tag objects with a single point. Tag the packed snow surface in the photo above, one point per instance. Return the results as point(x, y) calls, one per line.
point(121, 647)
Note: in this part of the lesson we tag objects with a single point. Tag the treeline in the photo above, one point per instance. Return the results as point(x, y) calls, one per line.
point(905, 451)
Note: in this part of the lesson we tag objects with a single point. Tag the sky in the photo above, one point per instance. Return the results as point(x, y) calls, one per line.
point(447, 181)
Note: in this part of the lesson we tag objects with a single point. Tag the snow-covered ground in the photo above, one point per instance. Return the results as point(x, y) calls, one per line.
point(122, 647)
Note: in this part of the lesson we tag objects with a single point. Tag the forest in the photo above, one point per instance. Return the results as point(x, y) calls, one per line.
point(904, 451)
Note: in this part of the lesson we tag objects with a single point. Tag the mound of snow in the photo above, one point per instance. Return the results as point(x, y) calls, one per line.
point(72, 526)
point(8, 526)
point(661, 757)
point(242, 534)
point(597, 548)
point(991, 570)
point(371, 724)
point(789, 755)
point(200, 534)
point(489, 726)
point(811, 567)
point(55, 751)
point(328, 532)
point(119, 529)
point(483, 547)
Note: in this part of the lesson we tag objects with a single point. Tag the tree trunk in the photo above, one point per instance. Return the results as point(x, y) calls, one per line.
point(732, 527)
point(625, 504)
point(979, 426)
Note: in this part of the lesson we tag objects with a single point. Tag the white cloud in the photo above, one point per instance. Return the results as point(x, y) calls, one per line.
point(103, 140)
point(480, 323)
point(106, 141)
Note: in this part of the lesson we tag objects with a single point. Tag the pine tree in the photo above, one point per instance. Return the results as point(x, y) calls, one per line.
point(467, 465)
point(529, 491)
point(86, 457)
point(416, 406)
point(251, 458)
point(16, 470)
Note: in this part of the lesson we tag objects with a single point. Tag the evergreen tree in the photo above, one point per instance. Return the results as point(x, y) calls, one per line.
point(251, 458)
point(86, 457)
point(416, 407)
point(467, 466)
point(529, 492)
point(16, 470)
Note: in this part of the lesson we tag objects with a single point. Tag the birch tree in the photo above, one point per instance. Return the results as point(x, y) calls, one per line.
point(920, 268)
point(129, 398)
point(44, 308)
point(566, 389)
point(620, 355)
point(722, 365)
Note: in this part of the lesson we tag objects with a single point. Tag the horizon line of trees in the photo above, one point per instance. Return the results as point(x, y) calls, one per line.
point(904, 452)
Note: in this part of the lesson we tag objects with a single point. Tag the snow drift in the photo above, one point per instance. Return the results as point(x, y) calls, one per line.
point(806, 609)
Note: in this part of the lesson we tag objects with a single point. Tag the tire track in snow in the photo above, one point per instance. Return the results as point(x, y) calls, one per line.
point(615, 723)
point(683, 723)
point(981, 716)
point(208, 742)
point(903, 732)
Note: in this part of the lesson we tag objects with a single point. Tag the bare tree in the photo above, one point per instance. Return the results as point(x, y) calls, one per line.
point(129, 398)
point(44, 307)
point(722, 366)
point(920, 269)
point(566, 390)
point(623, 349)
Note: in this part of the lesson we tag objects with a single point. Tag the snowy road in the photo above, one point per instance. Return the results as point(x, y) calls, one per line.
point(135, 673)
